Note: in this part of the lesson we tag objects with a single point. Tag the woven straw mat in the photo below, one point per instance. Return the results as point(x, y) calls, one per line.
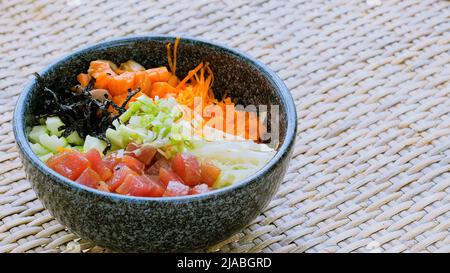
point(371, 83)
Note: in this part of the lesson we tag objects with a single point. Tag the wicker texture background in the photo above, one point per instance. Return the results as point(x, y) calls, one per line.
point(371, 82)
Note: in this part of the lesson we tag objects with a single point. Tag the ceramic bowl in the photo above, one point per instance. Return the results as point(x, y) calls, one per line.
point(170, 224)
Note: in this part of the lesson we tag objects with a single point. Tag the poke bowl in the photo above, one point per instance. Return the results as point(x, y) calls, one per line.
point(108, 155)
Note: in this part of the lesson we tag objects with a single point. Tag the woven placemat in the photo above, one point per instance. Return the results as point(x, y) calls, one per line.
point(371, 82)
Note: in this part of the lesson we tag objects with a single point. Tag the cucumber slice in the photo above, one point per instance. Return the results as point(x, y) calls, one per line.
point(45, 157)
point(74, 138)
point(53, 123)
point(36, 132)
point(93, 142)
point(116, 138)
point(114, 147)
point(39, 149)
point(52, 142)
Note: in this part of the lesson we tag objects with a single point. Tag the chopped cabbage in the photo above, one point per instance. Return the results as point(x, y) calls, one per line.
point(151, 121)
point(236, 159)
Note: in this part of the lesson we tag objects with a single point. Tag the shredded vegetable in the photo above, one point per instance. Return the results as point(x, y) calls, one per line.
point(236, 159)
point(151, 121)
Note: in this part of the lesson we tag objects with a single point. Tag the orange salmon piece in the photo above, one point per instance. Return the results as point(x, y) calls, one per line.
point(83, 79)
point(142, 81)
point(161, 89)
point(120, 84)
point(121, 98)
point(159, 74)
point(97, 68)
point(101, 71)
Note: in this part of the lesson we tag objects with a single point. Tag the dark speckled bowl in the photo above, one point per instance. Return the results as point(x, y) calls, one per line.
point(135, 224)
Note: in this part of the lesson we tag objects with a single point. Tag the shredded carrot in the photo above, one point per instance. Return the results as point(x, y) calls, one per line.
point(172, 57)
point(197, 85)
point(189, 76)
point(175, 50)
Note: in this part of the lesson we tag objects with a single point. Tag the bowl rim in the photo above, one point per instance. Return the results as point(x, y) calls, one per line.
point(282, 91)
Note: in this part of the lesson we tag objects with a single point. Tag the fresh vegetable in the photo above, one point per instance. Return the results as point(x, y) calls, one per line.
point(36, 133)
point(155, 122)
point(45, 157)
point(39, 149)
point(52, 143)
point(94, 143)
point(45, 141)
point(75, 139)
point(53, 125)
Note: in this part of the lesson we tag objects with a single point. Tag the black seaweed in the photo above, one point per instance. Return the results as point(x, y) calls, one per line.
point(79, 111)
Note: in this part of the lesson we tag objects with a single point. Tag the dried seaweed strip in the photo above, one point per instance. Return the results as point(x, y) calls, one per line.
point(79, 111)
